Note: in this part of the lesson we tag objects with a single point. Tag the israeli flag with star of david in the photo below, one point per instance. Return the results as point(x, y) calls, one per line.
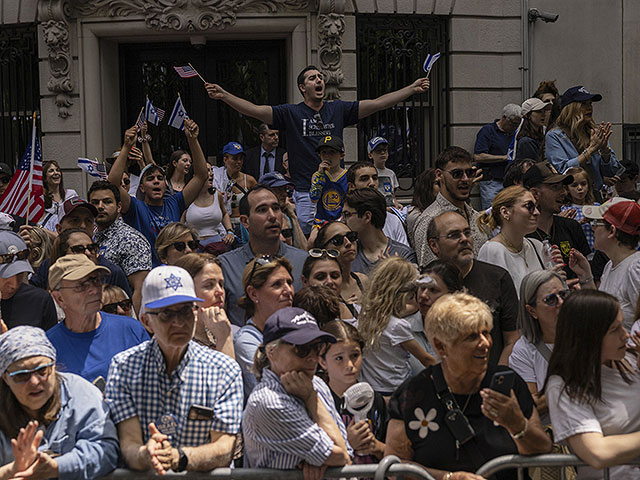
point(176, 120)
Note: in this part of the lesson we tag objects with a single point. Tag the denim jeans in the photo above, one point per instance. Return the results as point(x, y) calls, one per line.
point(488, 190)
point(305, 210)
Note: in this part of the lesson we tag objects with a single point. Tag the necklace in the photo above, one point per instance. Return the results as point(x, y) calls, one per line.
point(466, 403)
point(513, 249)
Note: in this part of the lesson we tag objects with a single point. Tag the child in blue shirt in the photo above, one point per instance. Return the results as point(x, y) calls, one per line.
point(329, 183)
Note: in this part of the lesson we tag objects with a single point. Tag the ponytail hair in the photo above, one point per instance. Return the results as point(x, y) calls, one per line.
point(260, 359)
point(489, 221)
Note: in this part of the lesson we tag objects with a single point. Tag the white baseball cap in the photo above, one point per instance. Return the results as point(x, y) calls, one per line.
point(533, 105)
point(167, 285)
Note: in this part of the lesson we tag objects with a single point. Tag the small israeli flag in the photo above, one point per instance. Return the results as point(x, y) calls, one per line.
point(429, 62)
point(152, 114)
point(93, 168)
point(511, 151)
point(176, 120)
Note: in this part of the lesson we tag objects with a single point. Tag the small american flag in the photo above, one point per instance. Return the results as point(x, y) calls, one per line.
point(186, 71)
point(141, 120)
point(16, 197)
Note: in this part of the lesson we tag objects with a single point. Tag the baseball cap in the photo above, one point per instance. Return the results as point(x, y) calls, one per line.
point(10, 244)
point(630, 169)
point(5, 169)
point(76, 202)
point(622, 213)
point(578, 94)
point(331, 141)
point(293, 325)
point(73, 267)
point(167, 285)
point(274, 179)
point(374, 142)
point(544, 172)
point(533, 105)
point(232, 148)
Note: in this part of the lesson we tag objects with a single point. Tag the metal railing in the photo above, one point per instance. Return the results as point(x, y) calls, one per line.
point(389, 465)
point(507, 462)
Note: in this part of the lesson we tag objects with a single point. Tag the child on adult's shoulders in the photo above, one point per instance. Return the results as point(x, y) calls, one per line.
point(378, 153)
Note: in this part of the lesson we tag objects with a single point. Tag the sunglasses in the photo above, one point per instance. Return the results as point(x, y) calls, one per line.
point(181, 246)
point(287, 232)
point(23, 376)
point(113, 307)
point(553, 299)
point(597, 223)
point(91, 248)
point(321, 252)
point(303, 351)
point(459, 172)
point(262, 260)
point(165, 316)
point(338, 240)
point(85, 285)
point(531, 207)
point(10, 257)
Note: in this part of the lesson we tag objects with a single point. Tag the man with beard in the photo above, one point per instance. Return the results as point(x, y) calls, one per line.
point(261, 215)
point(454, 173)
point(305, 123)
point(451, 241)
point(548, 188)
point(149, 211)
point(120, 243)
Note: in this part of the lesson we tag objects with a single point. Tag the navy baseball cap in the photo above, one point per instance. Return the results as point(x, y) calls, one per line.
point(578, 94)
point(274, 179)
point(232, 148)
point(295, 326)
point(375, 142)
point(331, 141)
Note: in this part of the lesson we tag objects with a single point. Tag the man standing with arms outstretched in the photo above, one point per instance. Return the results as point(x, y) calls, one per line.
point(304, 123)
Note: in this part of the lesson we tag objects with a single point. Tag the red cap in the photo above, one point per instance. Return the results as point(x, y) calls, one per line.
point(625, 216)
point(75, 202)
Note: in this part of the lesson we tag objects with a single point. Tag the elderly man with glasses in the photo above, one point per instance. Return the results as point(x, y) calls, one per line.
point(177, 404)
point(87, 339)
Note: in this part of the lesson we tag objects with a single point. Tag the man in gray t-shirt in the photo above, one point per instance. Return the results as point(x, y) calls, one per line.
point(365, 212)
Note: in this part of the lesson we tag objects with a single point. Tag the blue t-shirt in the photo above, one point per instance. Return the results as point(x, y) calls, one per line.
point(303, 127)
point(150, 219)
point(492, 140)
point(89, 354)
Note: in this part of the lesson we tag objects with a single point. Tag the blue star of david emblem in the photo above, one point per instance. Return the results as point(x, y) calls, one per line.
point(173, 281)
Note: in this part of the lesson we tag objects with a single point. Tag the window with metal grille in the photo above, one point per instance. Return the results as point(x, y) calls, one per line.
point(631, 145)
point(19, 89)
point(391, 51)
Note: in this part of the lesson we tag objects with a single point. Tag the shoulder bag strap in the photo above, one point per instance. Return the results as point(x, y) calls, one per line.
point(535, 250)
point(543, 349)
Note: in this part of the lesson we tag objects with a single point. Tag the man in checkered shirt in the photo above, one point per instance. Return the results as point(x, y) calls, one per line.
point(177, 404)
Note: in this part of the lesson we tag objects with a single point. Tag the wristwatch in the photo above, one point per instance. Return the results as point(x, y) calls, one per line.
point(183, 461)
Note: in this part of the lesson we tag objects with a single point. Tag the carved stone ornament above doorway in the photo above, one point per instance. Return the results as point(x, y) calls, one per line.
point(183, 15)
point(330, 31)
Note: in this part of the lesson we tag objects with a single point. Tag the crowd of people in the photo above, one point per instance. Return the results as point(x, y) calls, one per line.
point(188, 316)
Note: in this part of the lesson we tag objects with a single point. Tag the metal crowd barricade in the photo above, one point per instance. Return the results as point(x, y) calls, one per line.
point(521, 462)
point(389, 465)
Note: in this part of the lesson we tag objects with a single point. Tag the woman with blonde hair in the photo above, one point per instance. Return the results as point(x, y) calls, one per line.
point(576, 141)
point(388, 339)
point(176, 240)
point(514, 211)
point(41, 246)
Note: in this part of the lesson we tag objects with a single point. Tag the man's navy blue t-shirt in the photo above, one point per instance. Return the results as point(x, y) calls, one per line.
point(304, 127)
point(492, 140)
point(89, 354)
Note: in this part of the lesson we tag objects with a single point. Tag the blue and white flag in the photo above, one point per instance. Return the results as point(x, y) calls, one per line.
point(176, 120)
point(429, 62)
point(152, 114)
point(93, 168)
point(511, 152)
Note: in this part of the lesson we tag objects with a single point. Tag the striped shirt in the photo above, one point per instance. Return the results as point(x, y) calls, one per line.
point(138, 385)
point(277, 430)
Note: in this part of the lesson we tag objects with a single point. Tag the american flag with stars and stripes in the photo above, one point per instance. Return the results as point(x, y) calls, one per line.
point(16, 196)
point(186, 71)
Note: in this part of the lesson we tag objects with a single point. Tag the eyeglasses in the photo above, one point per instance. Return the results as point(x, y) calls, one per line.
point(321, 252)
point(10, 257)
point(531, 207)
point(287, 232)
point(262, 260)
point(23, 376)
point(91, 248)
point(554, 298)
point(303, 351)
point(457, 234)
point(457, 173)
point(96, 281)
point(165, 316)
point(113, 307)
point(5, 180)
point(338, 240)
point(181, 246)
